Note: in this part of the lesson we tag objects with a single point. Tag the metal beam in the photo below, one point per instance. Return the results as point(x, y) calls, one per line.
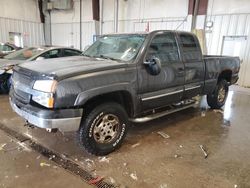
point(116, 13)
point(80, 24)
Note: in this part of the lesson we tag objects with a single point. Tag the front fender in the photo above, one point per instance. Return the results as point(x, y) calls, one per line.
point(84, 96)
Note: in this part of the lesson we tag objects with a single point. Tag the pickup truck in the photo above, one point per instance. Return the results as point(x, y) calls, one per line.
point(120, 78)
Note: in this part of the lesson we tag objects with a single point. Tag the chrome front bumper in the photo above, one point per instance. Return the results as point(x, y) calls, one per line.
point(63, 124)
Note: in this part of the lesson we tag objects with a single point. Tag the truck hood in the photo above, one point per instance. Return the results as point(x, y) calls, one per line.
point(5, 62)
point(71, 66)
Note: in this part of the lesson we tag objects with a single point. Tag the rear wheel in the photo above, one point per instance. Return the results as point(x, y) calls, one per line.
point(218, 98)
point(104, 129)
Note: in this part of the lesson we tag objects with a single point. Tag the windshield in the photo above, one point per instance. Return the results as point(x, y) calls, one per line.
point(24, 54)
point(117, 47)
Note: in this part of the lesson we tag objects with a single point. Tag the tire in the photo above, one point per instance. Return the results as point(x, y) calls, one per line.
point(218, 98)
point(97, 135)
point(5, 83)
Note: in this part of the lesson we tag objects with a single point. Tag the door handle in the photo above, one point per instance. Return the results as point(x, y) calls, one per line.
point(180, 69)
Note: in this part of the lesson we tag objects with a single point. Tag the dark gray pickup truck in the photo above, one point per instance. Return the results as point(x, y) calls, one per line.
point(121, 78)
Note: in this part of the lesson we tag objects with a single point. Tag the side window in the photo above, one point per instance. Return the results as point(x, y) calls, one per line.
point(191, 50)
point(69, 52)
point(164, 47)
point(6, 48)
point(51, 54)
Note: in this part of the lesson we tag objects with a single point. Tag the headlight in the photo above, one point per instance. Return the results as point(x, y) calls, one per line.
point(45, 97)
point(48, 86)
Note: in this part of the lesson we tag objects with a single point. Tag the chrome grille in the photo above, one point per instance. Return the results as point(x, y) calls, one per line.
point(19, 94)
point(25, 80)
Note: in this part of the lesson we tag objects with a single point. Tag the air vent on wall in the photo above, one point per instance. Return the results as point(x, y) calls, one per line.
point(62, 4)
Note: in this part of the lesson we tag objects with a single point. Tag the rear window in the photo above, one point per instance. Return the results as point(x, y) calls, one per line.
point(190, 48)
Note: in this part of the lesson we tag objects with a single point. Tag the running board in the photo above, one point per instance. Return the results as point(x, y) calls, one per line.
point(161, 114)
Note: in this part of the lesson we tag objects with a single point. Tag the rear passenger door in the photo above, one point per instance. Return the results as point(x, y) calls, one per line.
point(166, 87)
point(194, 65)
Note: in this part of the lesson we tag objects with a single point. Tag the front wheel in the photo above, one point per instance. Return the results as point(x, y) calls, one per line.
point(104, 129)
point(219, 96)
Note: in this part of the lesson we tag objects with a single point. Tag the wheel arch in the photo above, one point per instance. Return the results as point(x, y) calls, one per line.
point(225, 74)
point(88, 100)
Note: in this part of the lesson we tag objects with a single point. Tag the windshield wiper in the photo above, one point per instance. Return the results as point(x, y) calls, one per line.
point(86, 55)
point(107, 57)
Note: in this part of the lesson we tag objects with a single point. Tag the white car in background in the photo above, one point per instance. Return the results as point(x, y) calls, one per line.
point(30, 54)
point(7, 48)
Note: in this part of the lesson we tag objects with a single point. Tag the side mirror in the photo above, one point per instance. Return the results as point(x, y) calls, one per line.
point(153, 65)
point(40, 58)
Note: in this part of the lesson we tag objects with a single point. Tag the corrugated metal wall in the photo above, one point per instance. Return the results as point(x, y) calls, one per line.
point(231, 25)
point(68, 34)
point(153, 24)
point(32, 32)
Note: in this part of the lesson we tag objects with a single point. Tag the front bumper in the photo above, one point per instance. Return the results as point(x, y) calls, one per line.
point(65, 120)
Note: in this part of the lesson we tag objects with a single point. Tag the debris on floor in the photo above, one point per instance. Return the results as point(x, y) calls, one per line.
point(235, 186)
point(134, 176)
point(2, 146)
point(89, 164)
point(164, 135)
point(135, 145)
point(177, 156)
point(203, 113)
point(181, 146)
point(38, 157)
point(64, 156)
point(52, 157)
point(218, 111)
point(44, 164)
point(96, 180)
point(204, 151)
point(226, 122)
point(103, 159)
point(163, 186)
point(27, 166)
point(112, 180)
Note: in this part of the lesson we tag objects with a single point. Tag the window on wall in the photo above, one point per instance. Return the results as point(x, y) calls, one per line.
point(190, 48)
point(16, 38)
point(164, 47)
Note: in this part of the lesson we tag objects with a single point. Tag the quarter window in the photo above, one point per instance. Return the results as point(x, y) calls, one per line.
point(191, 50)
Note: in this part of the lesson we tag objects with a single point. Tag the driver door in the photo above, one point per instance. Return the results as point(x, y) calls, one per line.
point(166, 87)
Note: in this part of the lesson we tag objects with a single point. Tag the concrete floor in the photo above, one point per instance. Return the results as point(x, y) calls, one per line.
point(23, 168)
point(146, 159)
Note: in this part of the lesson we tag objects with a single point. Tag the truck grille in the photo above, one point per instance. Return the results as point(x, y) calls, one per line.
point(23, 79)
point(19, 94)
point(22, 96)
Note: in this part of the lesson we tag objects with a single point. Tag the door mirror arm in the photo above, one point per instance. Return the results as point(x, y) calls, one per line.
point(153, 65)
